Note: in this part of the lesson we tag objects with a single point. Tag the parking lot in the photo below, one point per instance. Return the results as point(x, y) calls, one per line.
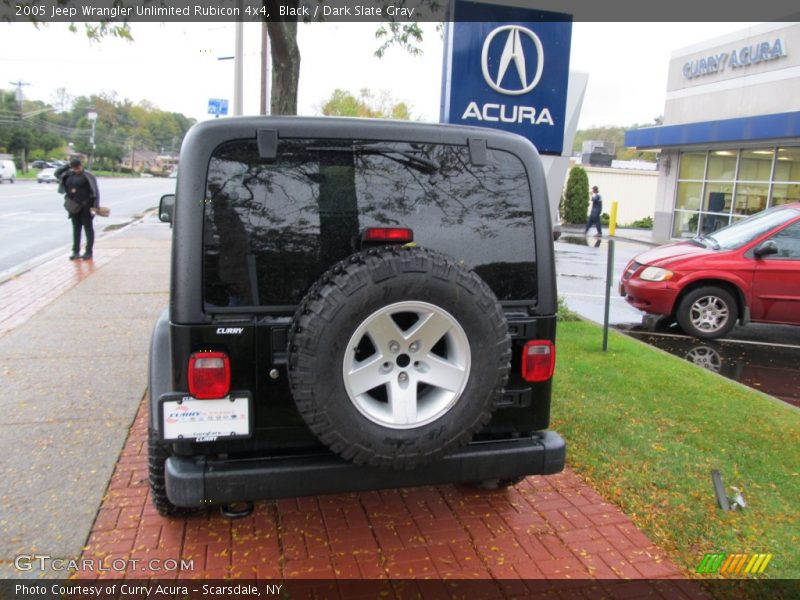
point(764, 357)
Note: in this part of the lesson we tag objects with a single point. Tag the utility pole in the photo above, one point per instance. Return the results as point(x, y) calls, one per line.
point(265, 104)
point(92, 116)
point(18, 97)
point(237, 67)
point(18, 93)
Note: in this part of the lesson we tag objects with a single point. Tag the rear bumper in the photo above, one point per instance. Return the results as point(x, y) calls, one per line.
point(196, 482)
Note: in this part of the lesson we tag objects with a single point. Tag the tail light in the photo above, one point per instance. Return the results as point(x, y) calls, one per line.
point(538, 360)
point(389, 235)
point(209, 375)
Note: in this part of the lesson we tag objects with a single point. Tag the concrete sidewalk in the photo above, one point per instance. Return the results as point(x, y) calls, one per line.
point(74, 344)
point(641, 236)
point(74, 465)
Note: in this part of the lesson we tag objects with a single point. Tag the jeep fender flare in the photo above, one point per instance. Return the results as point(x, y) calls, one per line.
point(159, 368)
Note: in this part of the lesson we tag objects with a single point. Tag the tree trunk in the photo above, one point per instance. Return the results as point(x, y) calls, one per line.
point(285, 67)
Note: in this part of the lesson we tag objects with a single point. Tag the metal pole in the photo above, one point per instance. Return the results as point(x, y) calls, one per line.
point(92, 116)
point(264, 69)
point(237, 68)
point(609, 284)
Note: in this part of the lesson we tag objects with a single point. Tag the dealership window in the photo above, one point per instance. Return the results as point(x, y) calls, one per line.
point(718, 187)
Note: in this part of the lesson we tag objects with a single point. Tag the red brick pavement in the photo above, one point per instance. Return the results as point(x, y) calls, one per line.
point(25, 295)
point(552, 527)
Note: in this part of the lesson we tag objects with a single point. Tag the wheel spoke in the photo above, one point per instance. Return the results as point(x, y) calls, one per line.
point(366, 375)
point(430, 328)
point(382, 330)
point(403, 403)
point(443, 374)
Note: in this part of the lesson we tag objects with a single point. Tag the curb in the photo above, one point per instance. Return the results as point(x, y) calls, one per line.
point(36, 261)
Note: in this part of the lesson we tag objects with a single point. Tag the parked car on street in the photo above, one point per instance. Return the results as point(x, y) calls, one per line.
point(748, 271)
point(46, 176)
point(342, 316)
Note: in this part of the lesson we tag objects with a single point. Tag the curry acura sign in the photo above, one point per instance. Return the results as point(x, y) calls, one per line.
point(736, 58)
point(508, 68)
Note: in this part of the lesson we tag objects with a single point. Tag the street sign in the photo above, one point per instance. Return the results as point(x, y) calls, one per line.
point(508, 68)
point(217, 106)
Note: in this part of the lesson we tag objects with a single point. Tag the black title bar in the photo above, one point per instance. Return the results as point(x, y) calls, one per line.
point(400, 11)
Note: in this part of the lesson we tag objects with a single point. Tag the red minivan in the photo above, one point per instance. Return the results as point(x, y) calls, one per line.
point(748, 271)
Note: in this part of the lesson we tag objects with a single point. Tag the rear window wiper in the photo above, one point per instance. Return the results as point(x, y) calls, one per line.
point(409, 158)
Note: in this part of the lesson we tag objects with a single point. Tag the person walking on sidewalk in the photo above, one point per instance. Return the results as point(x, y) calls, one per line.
point(594, 213)
point(80, 186)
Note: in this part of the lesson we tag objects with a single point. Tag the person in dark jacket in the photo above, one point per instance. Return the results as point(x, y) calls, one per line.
point(594, 213)
point(80, 185)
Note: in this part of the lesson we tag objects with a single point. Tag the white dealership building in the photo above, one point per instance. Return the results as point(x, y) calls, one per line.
point(730, 141)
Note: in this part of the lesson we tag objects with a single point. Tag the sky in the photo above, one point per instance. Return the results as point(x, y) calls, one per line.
point(176, 66)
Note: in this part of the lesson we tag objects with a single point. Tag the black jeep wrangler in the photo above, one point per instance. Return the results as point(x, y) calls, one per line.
point(354, 305)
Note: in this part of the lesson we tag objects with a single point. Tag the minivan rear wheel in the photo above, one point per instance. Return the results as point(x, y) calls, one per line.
point(708, 312)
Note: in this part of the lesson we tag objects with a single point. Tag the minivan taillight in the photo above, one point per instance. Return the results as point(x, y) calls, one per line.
point(538, 360)
point(209, 375)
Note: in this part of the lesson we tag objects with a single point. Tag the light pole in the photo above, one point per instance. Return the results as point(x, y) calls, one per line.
point(238, 77)
point(92, 116)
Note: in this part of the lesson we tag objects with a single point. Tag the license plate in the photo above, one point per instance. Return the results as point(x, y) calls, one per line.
point(188, 419)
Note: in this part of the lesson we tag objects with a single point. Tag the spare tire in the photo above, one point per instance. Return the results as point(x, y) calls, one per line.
point(397, 355)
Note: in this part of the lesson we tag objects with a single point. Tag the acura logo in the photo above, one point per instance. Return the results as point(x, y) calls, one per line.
point(513, 53)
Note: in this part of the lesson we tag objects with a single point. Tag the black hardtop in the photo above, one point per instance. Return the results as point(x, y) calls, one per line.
point(186, 302)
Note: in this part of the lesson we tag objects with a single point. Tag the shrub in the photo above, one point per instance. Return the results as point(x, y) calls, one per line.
point(565, 313)
point(576, 198)
point(645, 223)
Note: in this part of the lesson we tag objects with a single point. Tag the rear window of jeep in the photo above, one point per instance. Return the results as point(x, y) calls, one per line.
point(272, 227)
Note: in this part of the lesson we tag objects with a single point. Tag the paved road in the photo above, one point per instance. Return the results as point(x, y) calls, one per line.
point(34, 226)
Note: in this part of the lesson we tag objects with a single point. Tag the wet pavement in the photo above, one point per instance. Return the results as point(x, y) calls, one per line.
point(763, 357)
point(581, 269)
point(768, 367)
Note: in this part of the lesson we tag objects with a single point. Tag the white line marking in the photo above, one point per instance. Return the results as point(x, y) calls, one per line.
point(726, 340)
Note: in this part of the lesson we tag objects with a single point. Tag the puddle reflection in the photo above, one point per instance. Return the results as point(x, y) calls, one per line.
point(579, 240)
point(769, 369)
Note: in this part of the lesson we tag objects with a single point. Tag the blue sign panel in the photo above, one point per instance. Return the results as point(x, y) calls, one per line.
point(217, 106)
point(508, 68)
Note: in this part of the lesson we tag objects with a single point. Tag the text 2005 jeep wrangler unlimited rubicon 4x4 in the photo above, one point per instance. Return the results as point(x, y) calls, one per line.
point(354, 305)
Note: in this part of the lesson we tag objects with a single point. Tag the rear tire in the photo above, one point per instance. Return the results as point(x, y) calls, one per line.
point(157, 455)
point(708, 312)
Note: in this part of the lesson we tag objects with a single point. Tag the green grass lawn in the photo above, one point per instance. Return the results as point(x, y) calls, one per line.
point(645, 429)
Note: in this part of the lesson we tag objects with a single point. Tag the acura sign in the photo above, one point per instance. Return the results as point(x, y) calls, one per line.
point(508, 68)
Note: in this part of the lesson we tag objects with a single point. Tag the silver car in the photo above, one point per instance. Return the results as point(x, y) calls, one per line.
point(46, 176)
